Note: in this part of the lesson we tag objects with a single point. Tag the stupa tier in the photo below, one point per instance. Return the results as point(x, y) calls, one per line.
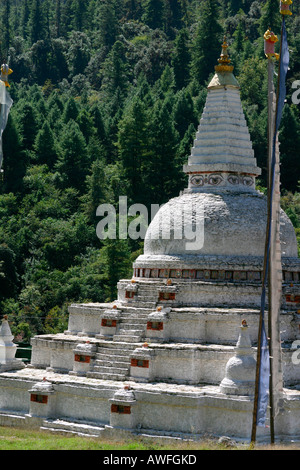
point(222, 155)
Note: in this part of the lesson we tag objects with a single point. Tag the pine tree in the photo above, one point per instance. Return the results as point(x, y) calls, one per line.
point(14, 158)
point(27, 124)
point(73, 162)
point(133, 148)
point(36, 24)
point(44, 146)
point(207, 42)
point(289, 137)
point(160, 171)
point(66, 17)
point(181, 59)
point(154, 13)
point(96, 192)
point(235, 6)
point(107, 24)
point(79, 11)
point(270, 17)
point(174, 13)
point(184, 112)
point(5, 31)
point(117, 265)
point(71, 110)
point(115, 70)
point(58, 18)
point(24, 18)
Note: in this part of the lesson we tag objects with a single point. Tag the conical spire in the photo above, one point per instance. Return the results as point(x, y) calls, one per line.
point(222, 156)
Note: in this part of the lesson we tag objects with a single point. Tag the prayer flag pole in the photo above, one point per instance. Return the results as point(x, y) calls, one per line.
point(269, 364)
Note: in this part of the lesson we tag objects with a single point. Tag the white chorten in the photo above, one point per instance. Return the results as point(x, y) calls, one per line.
point(172, 332)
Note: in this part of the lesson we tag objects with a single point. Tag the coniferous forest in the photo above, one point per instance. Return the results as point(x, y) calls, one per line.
point(107, 99)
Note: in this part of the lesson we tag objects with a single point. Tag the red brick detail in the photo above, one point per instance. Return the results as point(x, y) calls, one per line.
point(125, 410)
point(293, 298)
point(109, 323)
point(39, 398)
point(156, 326)
point(82, 358)
point(166, 296)
point(139, 363)
point(129, 294)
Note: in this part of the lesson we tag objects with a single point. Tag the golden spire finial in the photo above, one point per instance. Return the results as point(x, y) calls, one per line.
point(224, 60)
point(5, 71)
point(285, 7)
point(269, 44)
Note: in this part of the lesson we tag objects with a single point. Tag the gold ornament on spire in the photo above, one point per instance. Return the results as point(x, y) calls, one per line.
point(270, 40)
point(224, 60)
point(5, 71)
point(285, 7)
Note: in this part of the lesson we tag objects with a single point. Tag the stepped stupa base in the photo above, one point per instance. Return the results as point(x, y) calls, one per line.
point(83, 383)
point(84, 406)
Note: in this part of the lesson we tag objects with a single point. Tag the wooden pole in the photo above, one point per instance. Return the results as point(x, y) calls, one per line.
point(270, 151)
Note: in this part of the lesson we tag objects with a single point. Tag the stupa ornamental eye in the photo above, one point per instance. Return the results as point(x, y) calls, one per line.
point(214, 180)
point(197, 180)
point(248, 180)
point(233, 179)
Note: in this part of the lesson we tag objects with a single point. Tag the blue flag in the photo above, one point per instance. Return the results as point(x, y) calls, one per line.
point(264, 378)
point(283, 68)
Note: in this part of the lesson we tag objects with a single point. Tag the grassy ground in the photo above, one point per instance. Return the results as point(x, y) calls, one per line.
point(25, 439)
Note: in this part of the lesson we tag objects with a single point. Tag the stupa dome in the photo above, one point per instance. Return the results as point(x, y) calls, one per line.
point(220, 219)
point(233, 225)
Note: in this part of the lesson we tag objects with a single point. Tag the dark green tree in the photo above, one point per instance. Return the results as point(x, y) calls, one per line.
point(107, 24)
point(24, 19)
point(70, 111)
point(58, 18)
point(14, 158)
point(160, 171)
point(133, 146)
point(79, 52)
point(96, 192)
point(117, 265)
point(36, 22)
point(184, 112)
point(72, 161)
point(66, 18)
point(5, 30)
point(270, 17)
point(289, 137)
point(115, 70)
point(79, 10)
point(27, 125)
point(9, 282)
point(154, 13)
point(207, 42)
point(44, 146)
point(181, 59)
point(234, 6)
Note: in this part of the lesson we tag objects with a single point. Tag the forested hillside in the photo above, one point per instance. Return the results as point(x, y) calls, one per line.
point(107, 98)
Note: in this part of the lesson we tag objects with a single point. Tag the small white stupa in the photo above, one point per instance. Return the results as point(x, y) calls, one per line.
point(8, 349)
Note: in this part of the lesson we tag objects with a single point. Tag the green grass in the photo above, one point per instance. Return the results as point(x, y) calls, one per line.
point(28, 439)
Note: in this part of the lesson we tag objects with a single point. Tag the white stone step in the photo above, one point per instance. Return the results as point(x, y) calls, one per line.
point(132, 327)
point(127, 338)
point(111, 370)
point(111, 363)
point(111, 357)
point(64, 426)
point(106, 376)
